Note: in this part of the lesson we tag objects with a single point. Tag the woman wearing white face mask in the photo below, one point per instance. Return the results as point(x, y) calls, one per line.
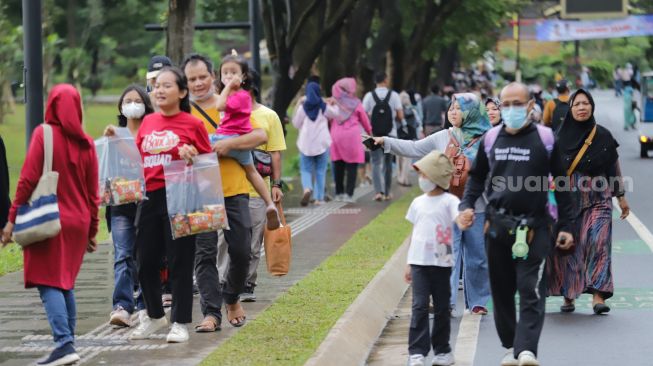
point(134, 104)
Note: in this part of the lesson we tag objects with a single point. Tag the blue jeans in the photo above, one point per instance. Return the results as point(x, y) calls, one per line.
point(123, 233)
point(469, 245)
point(244, 157)
point(314, 167)
point(61, 311)
point(381, 171)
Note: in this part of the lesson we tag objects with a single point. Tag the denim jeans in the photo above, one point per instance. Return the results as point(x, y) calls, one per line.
point(429, 281)
point(469, 245)
point(381, 171)
point(123, 233)
point(314, 168)
point(61, 311)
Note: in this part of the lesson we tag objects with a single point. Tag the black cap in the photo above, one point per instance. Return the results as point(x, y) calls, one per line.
point(156, 64)
point(562, 86)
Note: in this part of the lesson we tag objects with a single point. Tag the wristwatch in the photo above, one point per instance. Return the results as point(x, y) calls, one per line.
point(277, 183)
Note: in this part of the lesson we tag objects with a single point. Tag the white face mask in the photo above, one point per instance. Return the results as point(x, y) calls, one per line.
point(133, 110)
point(426, 185)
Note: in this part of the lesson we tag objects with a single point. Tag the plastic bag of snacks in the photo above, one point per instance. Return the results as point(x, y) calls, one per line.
point(194, 196)
point(120, 169)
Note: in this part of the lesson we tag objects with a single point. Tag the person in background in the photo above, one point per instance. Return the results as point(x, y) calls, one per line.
point(618, 82)
point(380, 100)
point(5, 200)
point(133, 106)
point(267, 119)
point(346, 150)
point(52, 265)
point(412, 128)
point(493, 109)
point(629, 111)
point(555, 110)
point(311, 119)
point(430, 260)
point(153, 68)
point(434, 107)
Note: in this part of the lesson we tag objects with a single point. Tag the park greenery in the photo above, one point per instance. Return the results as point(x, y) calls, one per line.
point(283, 334)
point(102, 45)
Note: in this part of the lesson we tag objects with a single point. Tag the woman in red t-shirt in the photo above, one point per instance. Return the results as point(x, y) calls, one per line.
point(160, 139)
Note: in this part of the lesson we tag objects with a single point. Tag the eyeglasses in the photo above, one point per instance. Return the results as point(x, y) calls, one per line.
point(513, 104)
point(581, 104)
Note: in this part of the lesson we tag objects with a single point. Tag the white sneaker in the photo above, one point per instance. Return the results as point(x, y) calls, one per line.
point(349, 199)
point(509, 358)
point(443, 359)
point(178, 333)
point(147, 327)
point(527, 358)
point(416, 360)
point(120, 317)
point(142, 316)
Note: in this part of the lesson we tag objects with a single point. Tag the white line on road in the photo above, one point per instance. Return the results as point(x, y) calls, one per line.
point(637, 225)
point(467, 339)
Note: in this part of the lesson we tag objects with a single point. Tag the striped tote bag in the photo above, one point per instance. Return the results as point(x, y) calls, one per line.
point(38, 219)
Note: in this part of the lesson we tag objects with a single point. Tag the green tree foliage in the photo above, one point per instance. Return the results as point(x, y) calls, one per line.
point(10, 54)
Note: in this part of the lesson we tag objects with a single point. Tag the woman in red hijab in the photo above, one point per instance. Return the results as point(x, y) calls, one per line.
point(52, 265)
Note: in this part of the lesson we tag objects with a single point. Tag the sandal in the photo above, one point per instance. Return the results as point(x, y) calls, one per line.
point(166, 300)
point(378, 197)
point(272, 216)
point(208, 325)
point(236, 317)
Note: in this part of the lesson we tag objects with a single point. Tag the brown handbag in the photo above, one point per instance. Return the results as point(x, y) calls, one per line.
point(461, 166)
point(278, 247)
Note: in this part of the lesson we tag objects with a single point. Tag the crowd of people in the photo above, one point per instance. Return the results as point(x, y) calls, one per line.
point(462, 146)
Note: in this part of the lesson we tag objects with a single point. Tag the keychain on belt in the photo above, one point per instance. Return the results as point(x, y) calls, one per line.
point(520, 247)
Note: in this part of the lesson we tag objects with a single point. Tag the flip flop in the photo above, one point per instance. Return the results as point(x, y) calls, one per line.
point(208, 325)
point(236, 318)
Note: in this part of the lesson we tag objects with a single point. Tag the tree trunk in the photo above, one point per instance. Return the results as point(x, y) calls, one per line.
point(294, 56)
point(181, 25)
point(446, 64)
point(432, 24)
point(71, 29)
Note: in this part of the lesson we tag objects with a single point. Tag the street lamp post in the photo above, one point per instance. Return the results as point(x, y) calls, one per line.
point(33, 69)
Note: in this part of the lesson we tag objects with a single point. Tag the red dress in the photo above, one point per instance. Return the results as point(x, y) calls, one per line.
point(56, 262)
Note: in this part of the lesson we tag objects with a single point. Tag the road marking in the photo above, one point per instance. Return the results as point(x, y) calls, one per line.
point(637, 225)
point(467, 339)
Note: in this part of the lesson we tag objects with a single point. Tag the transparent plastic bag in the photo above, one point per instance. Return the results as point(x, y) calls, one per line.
point(120, 169)
point(194, 196)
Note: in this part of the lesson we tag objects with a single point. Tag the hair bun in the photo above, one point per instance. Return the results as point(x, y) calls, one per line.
point(234, 52)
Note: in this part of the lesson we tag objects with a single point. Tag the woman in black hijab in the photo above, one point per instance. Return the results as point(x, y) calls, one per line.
point(596, 179)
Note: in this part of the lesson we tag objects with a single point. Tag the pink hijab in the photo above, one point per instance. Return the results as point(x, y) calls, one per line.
point(344, 92)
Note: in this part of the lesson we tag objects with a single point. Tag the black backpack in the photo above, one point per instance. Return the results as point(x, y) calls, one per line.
point(382, 119)
point(559, 113)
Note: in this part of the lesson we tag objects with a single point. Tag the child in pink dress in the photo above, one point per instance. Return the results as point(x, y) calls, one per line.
point(236, 103)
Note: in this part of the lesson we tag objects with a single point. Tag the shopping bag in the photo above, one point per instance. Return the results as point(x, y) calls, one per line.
point(120, 169)
point(278, 246)
point(38, 219)
point(194, 196)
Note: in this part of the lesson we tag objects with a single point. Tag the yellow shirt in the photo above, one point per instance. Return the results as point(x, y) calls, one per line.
point(234, 180)
point(267, 119)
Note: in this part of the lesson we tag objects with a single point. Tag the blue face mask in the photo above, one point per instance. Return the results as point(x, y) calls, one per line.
point(514, 117)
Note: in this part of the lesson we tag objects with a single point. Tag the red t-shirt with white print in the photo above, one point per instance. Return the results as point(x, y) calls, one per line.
point(159, 139)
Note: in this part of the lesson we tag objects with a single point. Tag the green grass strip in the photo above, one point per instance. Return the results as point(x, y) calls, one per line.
point(292, 328)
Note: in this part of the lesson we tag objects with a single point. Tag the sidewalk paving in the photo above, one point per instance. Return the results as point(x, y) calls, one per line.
point(25, 335)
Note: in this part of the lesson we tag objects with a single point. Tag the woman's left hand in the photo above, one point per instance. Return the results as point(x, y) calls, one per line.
point(187, 152)
point(6, 233)
point(623, 205)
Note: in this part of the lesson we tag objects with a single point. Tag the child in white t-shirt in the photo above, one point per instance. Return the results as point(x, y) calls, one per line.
point(430, 260)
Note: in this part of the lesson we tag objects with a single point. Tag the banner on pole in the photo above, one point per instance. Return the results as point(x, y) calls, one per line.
point(571, 30)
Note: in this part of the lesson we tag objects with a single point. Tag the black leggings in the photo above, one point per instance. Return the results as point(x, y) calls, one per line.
point(339, 169)
point(153, 242)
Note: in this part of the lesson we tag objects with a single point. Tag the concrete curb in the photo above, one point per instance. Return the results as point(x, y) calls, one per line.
point(352, 338)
